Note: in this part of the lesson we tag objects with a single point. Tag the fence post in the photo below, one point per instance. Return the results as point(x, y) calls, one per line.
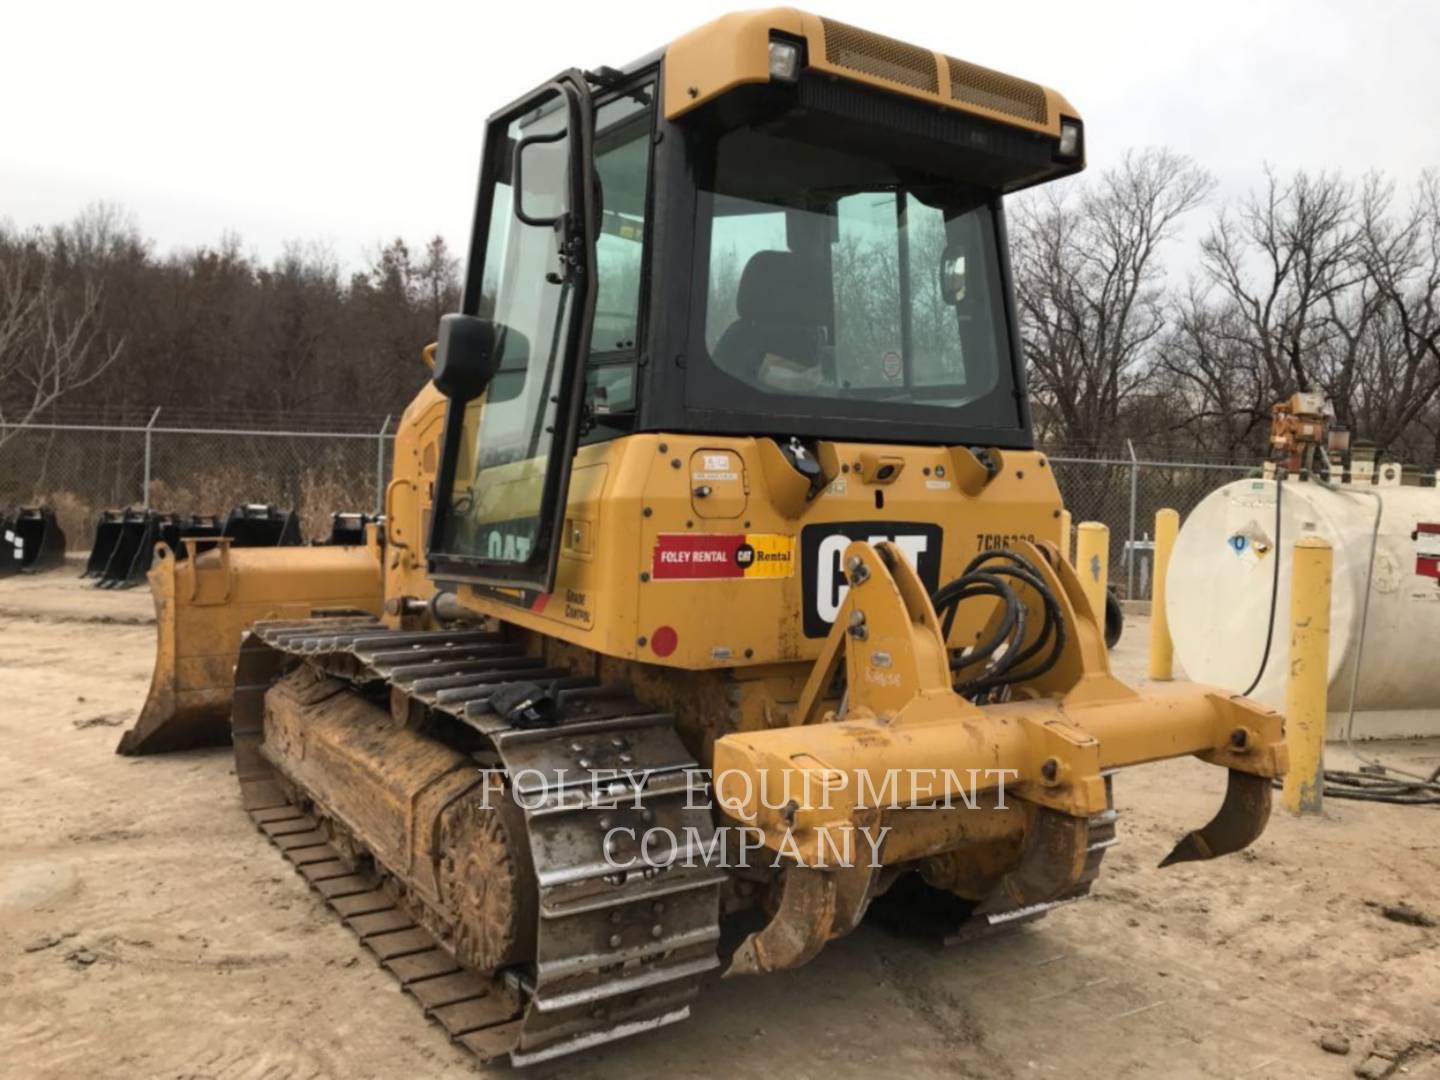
point(1307, 687)
point(1134, 502)
point(149, 432)
point(1092, 558)
point(380, 466)
point(1162, 648)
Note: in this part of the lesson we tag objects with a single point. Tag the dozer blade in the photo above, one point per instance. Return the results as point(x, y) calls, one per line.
point(1239, 823)
point(206, 600)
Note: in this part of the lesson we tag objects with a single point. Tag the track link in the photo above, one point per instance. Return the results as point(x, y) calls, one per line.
point(622, 942)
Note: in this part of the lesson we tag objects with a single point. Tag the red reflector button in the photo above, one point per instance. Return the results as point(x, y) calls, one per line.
point(664, 640)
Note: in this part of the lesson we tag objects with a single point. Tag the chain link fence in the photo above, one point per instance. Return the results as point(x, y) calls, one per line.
point(81, 469)
point(1124, 494)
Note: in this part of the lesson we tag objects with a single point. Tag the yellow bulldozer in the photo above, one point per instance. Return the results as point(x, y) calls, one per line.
point(722, 589)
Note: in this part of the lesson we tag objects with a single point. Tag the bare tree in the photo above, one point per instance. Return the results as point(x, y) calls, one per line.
point(1399, 381)
point(52, 335)
point(1281, 259)
point(1090, 288)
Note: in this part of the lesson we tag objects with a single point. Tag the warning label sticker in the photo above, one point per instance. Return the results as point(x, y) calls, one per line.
point(1251, 542)
point(688, 556)
point(1427, 549)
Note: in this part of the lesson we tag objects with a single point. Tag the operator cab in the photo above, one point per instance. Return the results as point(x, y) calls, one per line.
point(779, 226)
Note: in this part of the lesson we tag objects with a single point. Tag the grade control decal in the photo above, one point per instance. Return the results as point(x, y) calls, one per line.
point(700, 556)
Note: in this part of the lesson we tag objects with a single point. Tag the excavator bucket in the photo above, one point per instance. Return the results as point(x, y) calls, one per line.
point(204, 602)
point(347, 528)
point(107, 535)
point(198, 526)
point(260, 525)
point(124, 540)
point(31, 540)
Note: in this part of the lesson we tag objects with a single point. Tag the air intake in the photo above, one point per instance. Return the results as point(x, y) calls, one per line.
point(976, 85)
point(880, 56)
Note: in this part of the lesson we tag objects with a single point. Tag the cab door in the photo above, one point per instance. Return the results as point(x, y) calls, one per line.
point(501, 488)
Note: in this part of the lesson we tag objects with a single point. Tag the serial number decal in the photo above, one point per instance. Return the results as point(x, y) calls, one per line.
point(692, 556)
point(997, 541)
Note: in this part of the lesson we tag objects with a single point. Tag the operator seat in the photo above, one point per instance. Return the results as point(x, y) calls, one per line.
point(778, 314)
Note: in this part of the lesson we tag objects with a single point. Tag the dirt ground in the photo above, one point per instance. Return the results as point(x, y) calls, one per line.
point(146, 928)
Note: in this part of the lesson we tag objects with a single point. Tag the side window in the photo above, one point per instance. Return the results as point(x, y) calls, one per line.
point(622, 165)
point(494, 508)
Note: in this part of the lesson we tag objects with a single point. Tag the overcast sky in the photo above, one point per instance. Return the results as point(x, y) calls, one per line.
point(352, 123)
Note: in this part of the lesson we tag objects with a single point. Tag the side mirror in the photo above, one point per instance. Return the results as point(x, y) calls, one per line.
point(952, 275)
point(545, 158)
point(465, 356)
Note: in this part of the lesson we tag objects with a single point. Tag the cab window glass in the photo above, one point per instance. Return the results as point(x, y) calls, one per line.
point(622, 166)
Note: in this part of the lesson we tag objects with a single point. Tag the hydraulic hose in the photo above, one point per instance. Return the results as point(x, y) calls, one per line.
point(1274, 588)
point(1002, 575)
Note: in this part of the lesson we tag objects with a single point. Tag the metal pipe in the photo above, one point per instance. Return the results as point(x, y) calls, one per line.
point(1134, 502)
point(1307, 686)
point(1092, 561)
point(380, 467)
point(149, 434)
point(1162, 648)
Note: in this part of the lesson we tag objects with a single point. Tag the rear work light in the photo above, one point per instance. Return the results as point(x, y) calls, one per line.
point(1069, 137)
point(784, 61)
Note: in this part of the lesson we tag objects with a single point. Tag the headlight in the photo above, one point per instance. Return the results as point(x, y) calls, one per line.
point(1069, 133)
point(784, 60)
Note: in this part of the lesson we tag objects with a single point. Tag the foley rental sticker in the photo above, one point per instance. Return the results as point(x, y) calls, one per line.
point(1427, 549)
point(686, 556)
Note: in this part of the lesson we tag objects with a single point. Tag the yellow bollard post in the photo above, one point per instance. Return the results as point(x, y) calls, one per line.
point(1162, 649)
point(1092, 562)
point(1067, 541)
point(1307, 688)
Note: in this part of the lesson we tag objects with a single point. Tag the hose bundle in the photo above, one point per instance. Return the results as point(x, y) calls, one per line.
point(1001, 575)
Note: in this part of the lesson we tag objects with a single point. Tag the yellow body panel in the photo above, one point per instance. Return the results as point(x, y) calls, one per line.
point(632, 503)
point(733, 50)
point(410, 495)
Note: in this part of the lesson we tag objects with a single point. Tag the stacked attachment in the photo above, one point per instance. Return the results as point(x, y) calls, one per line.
point(347, 529)
point(125, 540)
point(31, 540)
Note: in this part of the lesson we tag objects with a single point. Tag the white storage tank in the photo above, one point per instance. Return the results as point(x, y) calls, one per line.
point(1219, 588)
